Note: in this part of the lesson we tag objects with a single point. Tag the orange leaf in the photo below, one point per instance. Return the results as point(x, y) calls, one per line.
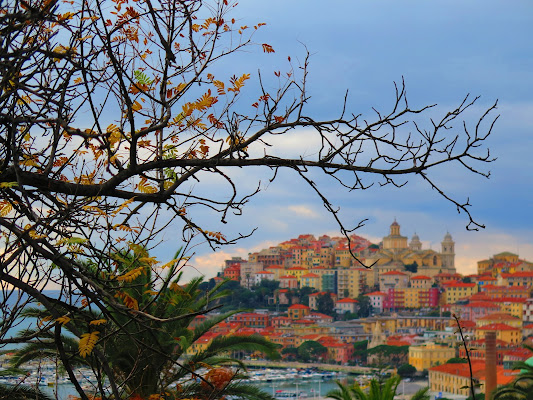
point(268, 48)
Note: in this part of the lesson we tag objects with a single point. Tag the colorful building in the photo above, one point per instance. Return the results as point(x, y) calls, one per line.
point(456, 291)
point(428, 355)
point(298, 311)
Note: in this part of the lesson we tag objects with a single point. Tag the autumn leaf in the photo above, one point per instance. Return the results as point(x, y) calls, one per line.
point(238, 83)
point(87, 343)
point(129, 301)
point(63, 320)
point(5, 208)
point(131, 275)
point(268, 48)
point(98, 322)
point(145, 187)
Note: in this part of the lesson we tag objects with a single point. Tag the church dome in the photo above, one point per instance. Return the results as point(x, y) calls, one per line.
point(448, 237)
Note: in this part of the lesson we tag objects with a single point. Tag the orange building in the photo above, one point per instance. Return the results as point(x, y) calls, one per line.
point(298, 311)
point(504, 332)
point(455, 378)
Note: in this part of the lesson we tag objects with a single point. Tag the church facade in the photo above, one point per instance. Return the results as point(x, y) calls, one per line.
point(398, 254)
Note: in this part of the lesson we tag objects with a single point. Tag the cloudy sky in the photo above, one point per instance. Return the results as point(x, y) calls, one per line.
point(444, 49)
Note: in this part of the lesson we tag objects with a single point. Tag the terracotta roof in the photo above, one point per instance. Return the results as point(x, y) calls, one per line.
point(317, 294)
point(482, 304)
point(460, 369)
point(420, 277)
point(499, 317)
point(467, 323)
point(497, 327)
point(347, 300)
point(311, 275)
point(509, 300)
point(287, 277)
point(376, 294)
point(393, 273)
point(520, 274)
point(264, 273)
point(298, 307)
point(478, 370)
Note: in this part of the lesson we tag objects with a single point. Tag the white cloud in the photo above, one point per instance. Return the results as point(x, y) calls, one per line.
point(303, 211)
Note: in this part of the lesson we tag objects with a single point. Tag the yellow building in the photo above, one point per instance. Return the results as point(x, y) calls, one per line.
point(277, 270)
point(298, 311)
point(342, 256)
point(499, 318)
point(421, 282)
point(297, 272)
point(455, 378)
point(393, 323)
point(505, 262)
point(512, 306)
point(459, 290)
point(428, 355)
point(350, 282)
point(311, 280)
point(508, 334)
point(412, 297)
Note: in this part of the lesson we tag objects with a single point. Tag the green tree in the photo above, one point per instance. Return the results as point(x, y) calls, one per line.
point(149, 356)
point(325, 304)
point(406, 370)
point(290, 353)
point(365, 307)
point(360, 351)
point(413, 267)
point(22, 392)
point(311, 350)
point(377, 391)
point(456, 360)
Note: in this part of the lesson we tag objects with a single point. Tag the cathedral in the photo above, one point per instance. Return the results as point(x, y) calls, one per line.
point(396, 252)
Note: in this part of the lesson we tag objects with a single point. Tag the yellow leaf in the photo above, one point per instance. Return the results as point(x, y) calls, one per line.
point(94, 209)
point(131, 275)
point(129, 301)
point(148, 260)
point(5, 208)
point(238, 83)
point(123, 205)
point(145, 187)
point(98, 322)
point(169, 264)
point(8, 184)
point(63, 320)
point(87, 343)
point(114, 134)
point(136, 106)
point(43, 320)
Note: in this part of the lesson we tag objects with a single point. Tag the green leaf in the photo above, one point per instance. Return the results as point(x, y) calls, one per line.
point(8, 184)
point(76, 240)
point(142, 78)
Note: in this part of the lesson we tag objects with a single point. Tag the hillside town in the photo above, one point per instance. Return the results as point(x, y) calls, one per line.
point(410, 308)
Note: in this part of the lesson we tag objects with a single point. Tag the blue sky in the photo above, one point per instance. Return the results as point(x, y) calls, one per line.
point(444, 50)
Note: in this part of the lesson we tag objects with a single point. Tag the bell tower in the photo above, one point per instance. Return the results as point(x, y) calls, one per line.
point(448, 252)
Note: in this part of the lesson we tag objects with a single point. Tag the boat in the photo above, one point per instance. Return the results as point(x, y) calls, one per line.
point(289, 394)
